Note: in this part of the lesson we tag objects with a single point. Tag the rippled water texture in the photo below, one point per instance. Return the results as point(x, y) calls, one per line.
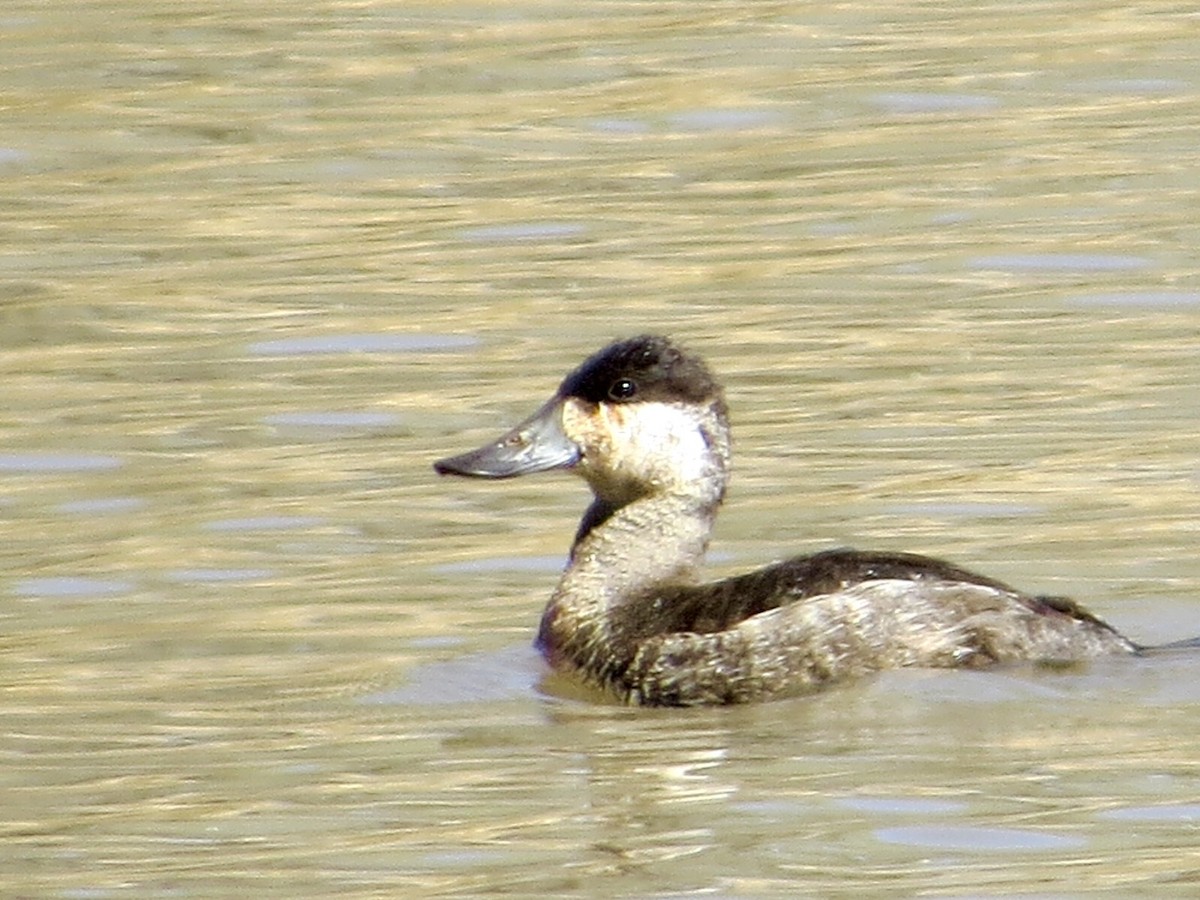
point(262, 263)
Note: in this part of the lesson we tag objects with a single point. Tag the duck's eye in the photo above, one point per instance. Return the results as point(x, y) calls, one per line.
point(622, 389)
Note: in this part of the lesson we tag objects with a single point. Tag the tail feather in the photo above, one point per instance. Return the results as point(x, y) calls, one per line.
point(1185, 644)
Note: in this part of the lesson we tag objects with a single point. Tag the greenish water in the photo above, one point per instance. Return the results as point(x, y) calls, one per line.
point(261, 265)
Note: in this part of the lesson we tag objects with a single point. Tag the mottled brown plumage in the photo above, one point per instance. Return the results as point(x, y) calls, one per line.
point(644, 423)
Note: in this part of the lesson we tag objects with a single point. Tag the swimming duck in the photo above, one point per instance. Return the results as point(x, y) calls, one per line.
point(644, 423)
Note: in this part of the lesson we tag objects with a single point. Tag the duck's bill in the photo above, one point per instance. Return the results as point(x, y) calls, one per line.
point(537, 444)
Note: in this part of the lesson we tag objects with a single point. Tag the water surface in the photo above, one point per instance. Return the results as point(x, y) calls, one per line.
point(262, 264)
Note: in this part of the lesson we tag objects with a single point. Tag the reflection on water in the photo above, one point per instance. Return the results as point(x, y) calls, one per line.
point(263, 264)
point(56, 462)
point(511, 673)
point(66, 586)
point(971, 839)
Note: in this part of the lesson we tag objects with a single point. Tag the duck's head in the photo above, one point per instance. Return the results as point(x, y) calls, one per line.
point(639, 417)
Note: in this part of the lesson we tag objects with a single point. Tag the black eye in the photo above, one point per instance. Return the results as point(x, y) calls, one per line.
point(622, 389)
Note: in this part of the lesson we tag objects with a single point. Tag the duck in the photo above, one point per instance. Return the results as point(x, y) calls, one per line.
point(644, 422)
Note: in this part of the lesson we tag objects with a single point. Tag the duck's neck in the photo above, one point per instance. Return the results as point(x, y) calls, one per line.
point(604, 603)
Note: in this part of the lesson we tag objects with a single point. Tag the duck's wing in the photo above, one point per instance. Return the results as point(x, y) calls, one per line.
point(720, 605)
point(884, 623)
point(834, 570)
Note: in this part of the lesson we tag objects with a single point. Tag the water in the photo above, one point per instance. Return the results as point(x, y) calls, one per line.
point(262, 265)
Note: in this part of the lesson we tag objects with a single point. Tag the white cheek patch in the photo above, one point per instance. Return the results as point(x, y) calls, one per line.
point(658, 442)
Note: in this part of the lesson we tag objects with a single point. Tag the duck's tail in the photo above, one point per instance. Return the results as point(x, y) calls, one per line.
point(1185, 644)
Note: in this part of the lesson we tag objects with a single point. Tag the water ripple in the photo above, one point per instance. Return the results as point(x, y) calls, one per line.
point(361, 343)
point(1058, 262)
point(1140, 300)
